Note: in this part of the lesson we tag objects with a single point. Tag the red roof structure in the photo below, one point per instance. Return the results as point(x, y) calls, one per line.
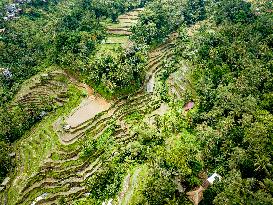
point(188, 106)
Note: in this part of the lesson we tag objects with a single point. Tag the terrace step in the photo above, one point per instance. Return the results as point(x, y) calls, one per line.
point(54, 197)
point(120, 32)
point(50, 183)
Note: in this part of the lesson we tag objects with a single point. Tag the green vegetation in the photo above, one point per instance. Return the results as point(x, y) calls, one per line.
point(117, 72)
point(30, 152)
point(55, 34)
point(231, 80)
point(5, 159)
point(163, 17)
point(147, 147)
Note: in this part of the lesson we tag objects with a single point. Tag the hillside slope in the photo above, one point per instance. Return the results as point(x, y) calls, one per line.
point(60, 171)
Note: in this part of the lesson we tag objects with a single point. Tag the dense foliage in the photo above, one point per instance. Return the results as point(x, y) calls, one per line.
point(232, 82)
point(168, 152)
point(230, 130)
point(164, 17)
point(5, 159)
point(53, 32)
point(121, 72)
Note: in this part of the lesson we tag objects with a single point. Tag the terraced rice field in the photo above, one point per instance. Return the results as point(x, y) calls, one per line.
point(34, 147)
point(176, 82)
point(49, 87)
point(119, 32)
point(49, 162)
point(124, 23)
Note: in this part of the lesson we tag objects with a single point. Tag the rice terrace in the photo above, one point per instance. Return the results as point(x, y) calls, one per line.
point(136, 102)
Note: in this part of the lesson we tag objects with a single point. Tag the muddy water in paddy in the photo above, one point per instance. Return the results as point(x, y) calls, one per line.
point(89, 107)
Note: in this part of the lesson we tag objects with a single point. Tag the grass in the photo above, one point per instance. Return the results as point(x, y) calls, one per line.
point(116, 93)
point(122, 24)
point(24, 87)
point(117, 39)
point(38, 191)
point(134, 117)
point(108, 48)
